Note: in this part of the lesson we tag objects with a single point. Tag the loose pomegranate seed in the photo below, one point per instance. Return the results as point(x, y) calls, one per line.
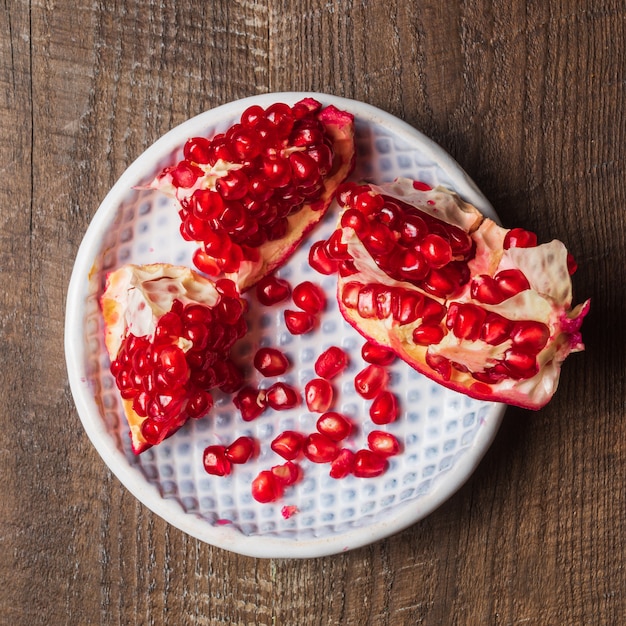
point(370, 381)
point(299, 322)
point(270, 362)
point(241, 450)
point(286, 474)
point(215, 461)
point(334, 425)
point(288, 444)
point(272, 290)
point(380, 355)
point(318, 394)
point(383, 443)
point(384, 408)
point(331, 363)
point(368, 464)
point(320, 261)
point(343, 464)
point(519, 238)
point(309, 297)
point(319, 448)
point(281, 396)
point(250, 402)
point(266, 488)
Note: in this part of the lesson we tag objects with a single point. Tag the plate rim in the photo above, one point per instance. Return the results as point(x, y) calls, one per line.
point(226, 536)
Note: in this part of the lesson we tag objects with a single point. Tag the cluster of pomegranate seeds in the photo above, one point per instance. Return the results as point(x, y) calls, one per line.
point(168, 377)
point(237, 189)
point(218, 459)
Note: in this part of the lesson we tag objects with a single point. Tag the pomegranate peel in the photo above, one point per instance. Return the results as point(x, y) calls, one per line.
point(168, 345)
point(520, 285)
point(250, 195)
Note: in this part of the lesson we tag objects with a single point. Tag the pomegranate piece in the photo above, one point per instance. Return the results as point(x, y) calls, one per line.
point(249, 196)
point(370, 381)
point(216, 461)
point(334, 425)
point(318, 394)
point(287, 473)
point(288, 444)
point(319, 448)
point(282, 397)
point(270, 362)
point(168, 332)
point(492, 316)
point(369, 464)
point(271, 290)
point(331, 363)
point(309, 297)
point(299, 322)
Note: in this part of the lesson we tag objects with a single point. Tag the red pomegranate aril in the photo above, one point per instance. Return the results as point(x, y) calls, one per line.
point(206, 204)
point(252, 115)
point(432, 312)
point(299, 322)
point(465, 320)
point(343, 464)
point(286, 474)
point(485, 289)
point(304, 169)
point(288, 444)
point(266, 488)
point(384, 408)
point(281, 397)
point(270, 362)
point(272, 290)
point(511, 282)
point(379, 240)
point(199, 404)
point(332, 362)
point(322, 155)
point(370, 381)
point(442, 283)
point(519, 238)
point(185, 174)
point(309, 297)
point(531, 336)
point(427, 334)
point(410, 265)
point(412, 229)
point(319, 448)
point(374, 353)
point(383, 443)
point(496, 329)
point(407, 306)
point(572, 266)
point(369, 464)
point(335, 248)
point(520, 364)
point(250, 402)
point(436, 250)
point(366, 303)
point(334, 425)
point(198, 150)
point(241, 450)
point(319, 395)
point(277, 172)
point(351, 218)
point(320, 261)
point(367, 203)
point(215, 461)
point(439, 364)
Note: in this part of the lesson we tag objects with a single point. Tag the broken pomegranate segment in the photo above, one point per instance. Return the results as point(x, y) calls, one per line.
point(248, 196)
point(478, 308)
point(168, 332)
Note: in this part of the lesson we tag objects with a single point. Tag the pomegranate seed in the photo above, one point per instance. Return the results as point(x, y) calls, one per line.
point(529, 335)
point(288, 444)
point(369, 464)
point(334, 425)
point(520, 364)
point(407, 306)
point(309, 297)
point(266, 488)
point(485, 289)
point(384, 408)
point(281, 397)
point(318, 394)
point(320, 261)
point(199, 404)
point(250, 402)
point(412, 229)
point(215, 461)
point(519, 238)
point(197, 150)
point(572, 266)
point(370, 381)
point(427, 334)
point(374, 353)
point(272, 290)
point(342, 465)
point(436, 250)
point(241, 450)
point(286, 474)
point(270, 362)
point(410, 265)
point(439, 364)
point(383, 443)
point(331, 363)
point(511, 282)
point(357, 221)
point(299, 322)
point(350, 294)
point(319, 448)
point(185, 174)
point(421, 186)
point(496, 329)
point(466, 320)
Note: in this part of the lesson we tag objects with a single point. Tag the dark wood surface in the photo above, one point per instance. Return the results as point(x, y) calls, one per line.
point(529, 97)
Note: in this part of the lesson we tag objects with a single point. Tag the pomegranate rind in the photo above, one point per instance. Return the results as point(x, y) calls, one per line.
point(548, 301)
point(339, 127)
point(134, 299)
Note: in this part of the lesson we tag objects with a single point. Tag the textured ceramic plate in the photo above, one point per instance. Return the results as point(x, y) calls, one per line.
point(443, 434)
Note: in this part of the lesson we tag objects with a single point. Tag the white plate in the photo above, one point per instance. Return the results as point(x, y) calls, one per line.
point(444, 435)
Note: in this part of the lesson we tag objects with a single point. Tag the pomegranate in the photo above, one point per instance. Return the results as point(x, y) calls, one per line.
point(168, 332)
point(249, 196)
point(478, 308)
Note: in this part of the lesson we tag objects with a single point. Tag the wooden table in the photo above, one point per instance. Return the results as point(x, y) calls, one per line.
point(529, 97)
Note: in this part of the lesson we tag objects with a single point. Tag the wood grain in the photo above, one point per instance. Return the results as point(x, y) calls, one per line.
point(529, 97)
